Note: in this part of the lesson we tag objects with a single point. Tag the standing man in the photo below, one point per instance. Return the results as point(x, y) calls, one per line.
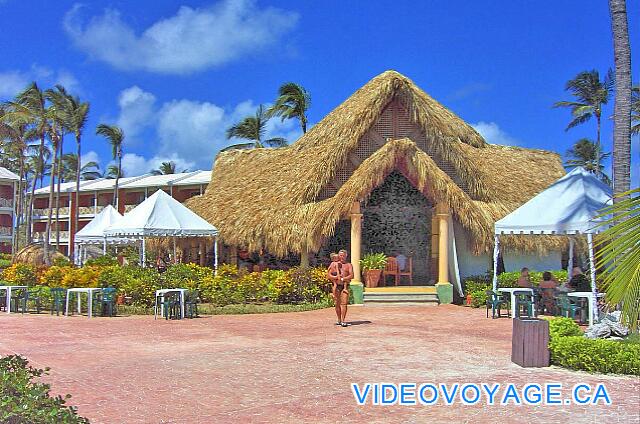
point(346, 275)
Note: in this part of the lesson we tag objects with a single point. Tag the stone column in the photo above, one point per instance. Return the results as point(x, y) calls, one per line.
point(356, 241)
point(444, 287)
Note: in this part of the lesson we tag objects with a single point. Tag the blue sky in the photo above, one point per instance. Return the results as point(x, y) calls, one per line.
point(175, 75)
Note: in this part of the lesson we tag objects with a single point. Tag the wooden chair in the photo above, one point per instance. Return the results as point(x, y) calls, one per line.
point(408, 272)
point(391, 268)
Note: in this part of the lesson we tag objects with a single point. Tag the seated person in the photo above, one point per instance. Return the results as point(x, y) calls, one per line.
point(579, 282)
point(401, 260)
point(548, 282)
point(524, 280)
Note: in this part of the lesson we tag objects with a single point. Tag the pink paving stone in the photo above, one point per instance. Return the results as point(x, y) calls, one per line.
point(293, 367)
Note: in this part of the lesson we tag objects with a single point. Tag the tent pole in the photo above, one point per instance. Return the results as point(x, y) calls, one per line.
point(215, 254)
point(104, 246)
point(570, 263)
point(144, 254)
point(592, 267)
point(496, 253)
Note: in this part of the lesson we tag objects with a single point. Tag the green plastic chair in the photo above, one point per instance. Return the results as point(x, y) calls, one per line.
point(568, 308)
point(524, 302)
point(191, 304)
point(170, 305)
point(108, 302)
point(33, 295)
point(496, 302)
point(58, 295)
point(19, 299)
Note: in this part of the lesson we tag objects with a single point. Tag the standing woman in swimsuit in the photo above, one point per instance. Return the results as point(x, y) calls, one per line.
point(333, 274)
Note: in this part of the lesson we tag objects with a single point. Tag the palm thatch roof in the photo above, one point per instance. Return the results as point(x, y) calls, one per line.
point(272, 198)
point(34, 254)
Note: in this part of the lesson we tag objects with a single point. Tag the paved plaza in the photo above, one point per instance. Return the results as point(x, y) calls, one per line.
point(291, 367)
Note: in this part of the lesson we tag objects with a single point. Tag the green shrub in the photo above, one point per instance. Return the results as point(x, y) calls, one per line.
point(105, 260)
point(23, 400)
point(563, 327)
point(373, 261)
point(61, 261)
point(570, 349)
point(5, 263)
point(187, 276)
point(604, 356)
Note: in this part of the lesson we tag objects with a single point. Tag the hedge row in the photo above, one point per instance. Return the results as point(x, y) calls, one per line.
point(229, 286)
point(570, 349)
point(476, 286)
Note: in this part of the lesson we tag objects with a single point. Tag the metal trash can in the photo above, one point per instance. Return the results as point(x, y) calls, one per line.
point(530, 342)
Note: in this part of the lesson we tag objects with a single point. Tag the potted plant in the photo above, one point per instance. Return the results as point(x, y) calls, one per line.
point(372, 265)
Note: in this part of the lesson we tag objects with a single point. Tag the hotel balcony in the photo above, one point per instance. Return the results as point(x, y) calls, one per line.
point(39, 236)
point(6, 203)
point(5, 232)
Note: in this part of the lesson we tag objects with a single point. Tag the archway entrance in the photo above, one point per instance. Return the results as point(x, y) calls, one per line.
point(397, 220)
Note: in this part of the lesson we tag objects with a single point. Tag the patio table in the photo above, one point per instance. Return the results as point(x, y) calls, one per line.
point(512, 291)
point(590, 301)
point(161, 293)
point(8, 289)
point(79, 291)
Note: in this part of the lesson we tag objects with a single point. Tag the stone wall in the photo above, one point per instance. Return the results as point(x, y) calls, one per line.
point(397, 219)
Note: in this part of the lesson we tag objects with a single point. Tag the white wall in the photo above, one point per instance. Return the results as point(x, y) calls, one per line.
point(470, 264)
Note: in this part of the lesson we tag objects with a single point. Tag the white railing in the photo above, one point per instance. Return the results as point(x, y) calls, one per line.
point(45, 211)
point(39, 236)
point(6, 203)
point(5, 231)
point(128, 208)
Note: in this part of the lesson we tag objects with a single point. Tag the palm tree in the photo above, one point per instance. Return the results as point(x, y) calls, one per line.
point(619, 256)
point(586, 154)
point(635, 110)
point(622, 104)
point(253, 128)
point(165, 168)
point(55, 128)
point(76, 114)
point(590, 94)
point(89, 170)
point(17, 142)
point(113, 172)
point(292, 102)
point(115, 137)
point(31, 105)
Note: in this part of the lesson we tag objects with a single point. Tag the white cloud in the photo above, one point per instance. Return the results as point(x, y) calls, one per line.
point(11, 82)
point(14, 81)
point(493, 134)
point(133, 164)
point(136, 111)
point(197, 130)
point(90, 156)
point(192, 40)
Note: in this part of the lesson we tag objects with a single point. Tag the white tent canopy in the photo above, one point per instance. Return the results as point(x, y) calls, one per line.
point(571, 205)
point(568, 206)
point(93, 232)
point(160, 215)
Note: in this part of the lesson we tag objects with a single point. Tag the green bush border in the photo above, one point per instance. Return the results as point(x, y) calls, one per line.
point(570, 349)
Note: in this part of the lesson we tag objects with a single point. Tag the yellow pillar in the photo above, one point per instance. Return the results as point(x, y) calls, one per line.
point(356, 241)
point(443, 243)
point(444, 287)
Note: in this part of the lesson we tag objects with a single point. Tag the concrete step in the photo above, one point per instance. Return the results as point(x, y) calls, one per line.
point(400, 298)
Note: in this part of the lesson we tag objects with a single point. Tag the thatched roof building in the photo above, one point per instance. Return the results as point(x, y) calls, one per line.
point(34, 254)
point(290, 199)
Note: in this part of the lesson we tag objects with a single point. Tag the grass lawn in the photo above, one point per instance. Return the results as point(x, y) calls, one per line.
point(238, 309)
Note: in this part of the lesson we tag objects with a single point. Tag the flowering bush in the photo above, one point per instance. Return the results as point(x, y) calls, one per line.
point(20, 274)
point(86, 276)
point(53, 276)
